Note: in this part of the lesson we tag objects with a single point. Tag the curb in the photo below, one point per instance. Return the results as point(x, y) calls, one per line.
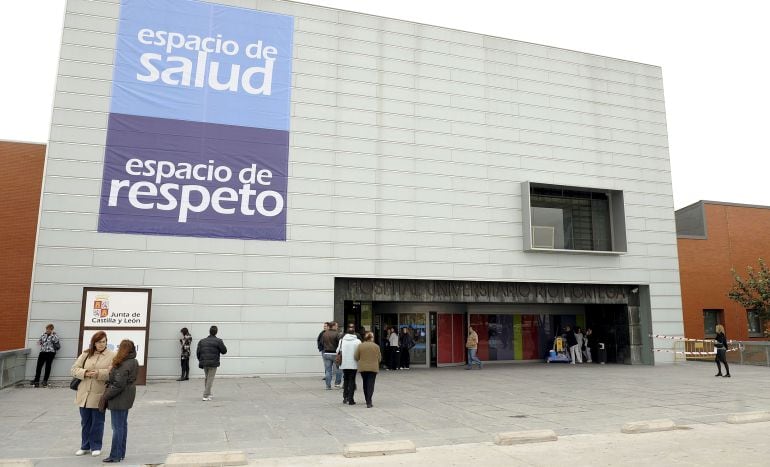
point(378, 448)
point(648, 426)
point(748, 417)
point(523, 437)
point(207, 459)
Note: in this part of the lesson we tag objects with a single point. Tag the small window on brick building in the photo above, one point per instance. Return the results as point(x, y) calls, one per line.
point(755, 324)
point(710, 320)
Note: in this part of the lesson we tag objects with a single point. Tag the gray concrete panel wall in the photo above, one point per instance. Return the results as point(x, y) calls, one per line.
point(409, 143)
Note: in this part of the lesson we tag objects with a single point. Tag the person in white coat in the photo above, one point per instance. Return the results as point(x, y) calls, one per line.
point(348, 345)
point(579, 337)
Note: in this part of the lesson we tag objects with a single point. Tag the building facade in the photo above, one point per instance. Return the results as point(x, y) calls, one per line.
point(714, 238)
point(20, 180)
point(266, 166)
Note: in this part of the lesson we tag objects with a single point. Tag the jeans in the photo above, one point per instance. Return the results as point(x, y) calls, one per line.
point(472, 358)
point(405, 357)
point(329, 367)
point(368, 377)
point(395, 357)
point(576, 354)
point(587, 354)
point(119, 421)
point(349, 386)
point(45, 358)
point(337, 374)
point(185, 367)
point(91, 429)
point(210, 372)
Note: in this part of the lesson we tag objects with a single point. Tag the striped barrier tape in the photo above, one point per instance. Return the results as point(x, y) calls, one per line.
point(680, 338)
point(686, 353)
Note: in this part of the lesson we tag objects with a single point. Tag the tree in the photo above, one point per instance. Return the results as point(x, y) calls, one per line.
point(753, 293)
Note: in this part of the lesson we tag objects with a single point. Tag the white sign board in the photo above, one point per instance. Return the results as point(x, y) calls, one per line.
point(114, 336)
point(107, 308)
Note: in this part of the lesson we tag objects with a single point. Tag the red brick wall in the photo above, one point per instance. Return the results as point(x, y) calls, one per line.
point(737, 237)
point(20, 182)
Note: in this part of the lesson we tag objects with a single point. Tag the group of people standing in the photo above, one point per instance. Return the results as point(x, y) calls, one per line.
point(577, 342)
point(397, 347)
point(106, 381)
point(348, 353)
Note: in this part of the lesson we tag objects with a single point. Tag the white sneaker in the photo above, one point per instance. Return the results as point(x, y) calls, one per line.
point(207, 398)
point(80, 452)
point(96, 453)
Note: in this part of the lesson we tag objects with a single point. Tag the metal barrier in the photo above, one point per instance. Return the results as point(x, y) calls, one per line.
point(750, 353)
point(741, 352)
point(12, 366)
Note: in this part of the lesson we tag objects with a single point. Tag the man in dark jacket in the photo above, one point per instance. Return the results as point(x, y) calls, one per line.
point(208, 352)
point(330, 340)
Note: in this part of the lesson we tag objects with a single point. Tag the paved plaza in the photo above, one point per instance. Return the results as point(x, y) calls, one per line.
point(272, 417)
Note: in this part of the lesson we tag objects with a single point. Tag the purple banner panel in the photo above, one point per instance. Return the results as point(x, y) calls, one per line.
point(174, 177)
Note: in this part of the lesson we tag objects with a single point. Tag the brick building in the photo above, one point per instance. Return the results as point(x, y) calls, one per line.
point(714, 238)
point(20, 182)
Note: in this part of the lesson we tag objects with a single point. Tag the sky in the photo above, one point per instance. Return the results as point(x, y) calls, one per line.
point(714, 56)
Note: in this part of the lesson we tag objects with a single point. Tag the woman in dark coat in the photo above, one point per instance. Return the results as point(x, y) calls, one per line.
point(120, 395)
point(721, 347)
point(185, 342)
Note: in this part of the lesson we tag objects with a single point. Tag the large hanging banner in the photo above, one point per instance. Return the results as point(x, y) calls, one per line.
point(198, 132)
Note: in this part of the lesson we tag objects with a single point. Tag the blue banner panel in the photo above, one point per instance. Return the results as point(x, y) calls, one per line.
point(202, 62)
point(198, 132)
point(171, 177)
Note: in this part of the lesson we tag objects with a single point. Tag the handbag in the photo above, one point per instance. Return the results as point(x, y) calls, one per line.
point(102, 404)
point(76, 381)
point(338, 358)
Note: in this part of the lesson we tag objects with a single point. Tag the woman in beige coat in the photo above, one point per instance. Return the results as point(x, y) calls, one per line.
point(92, 367)
point(368, 357)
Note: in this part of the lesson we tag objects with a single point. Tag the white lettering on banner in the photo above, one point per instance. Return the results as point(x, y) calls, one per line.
point(177, 70)
point(193, 197)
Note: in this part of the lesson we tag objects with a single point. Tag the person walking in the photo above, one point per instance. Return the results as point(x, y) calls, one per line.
point(337, 371)
point(405, 344)
point(208, 352)
point(348, 346)
point(120, 395)
point(330, 341)
point(368, 357)
point(394, 361)
point(186, 343)
point(49, 344)
point(721, 347)
point(92, 367)
point(472, 344)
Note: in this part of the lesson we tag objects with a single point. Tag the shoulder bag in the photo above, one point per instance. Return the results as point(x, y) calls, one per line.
point(76, 381)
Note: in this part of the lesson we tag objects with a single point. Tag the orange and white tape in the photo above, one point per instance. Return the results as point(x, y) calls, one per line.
point(680, 338)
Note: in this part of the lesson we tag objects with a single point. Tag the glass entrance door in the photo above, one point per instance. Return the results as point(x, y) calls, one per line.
point(416, 324)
